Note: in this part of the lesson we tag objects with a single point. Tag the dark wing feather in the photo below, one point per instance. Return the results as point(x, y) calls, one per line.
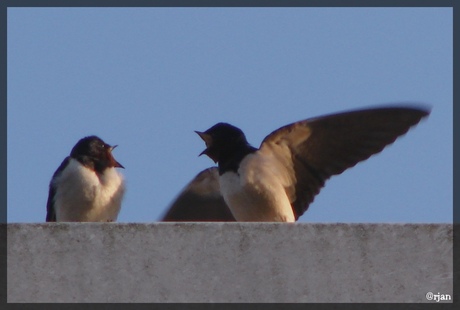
point(325, 146)
point(50, 211)
point(200, 201)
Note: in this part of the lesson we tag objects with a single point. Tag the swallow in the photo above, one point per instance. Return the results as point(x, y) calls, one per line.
point(279, 180)
point(86, 187)
point(200, 201)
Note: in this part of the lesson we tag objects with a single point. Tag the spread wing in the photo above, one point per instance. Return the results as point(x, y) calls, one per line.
point(315, 149)
point(200, 201)
point(50, 210)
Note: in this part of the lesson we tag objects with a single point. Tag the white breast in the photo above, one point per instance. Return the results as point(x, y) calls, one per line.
point(257, 192)
point(83, 196)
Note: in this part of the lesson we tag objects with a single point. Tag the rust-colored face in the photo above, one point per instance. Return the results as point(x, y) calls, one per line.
point(94, 153)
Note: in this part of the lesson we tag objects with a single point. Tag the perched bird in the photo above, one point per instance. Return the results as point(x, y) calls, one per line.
point(278, 181)
point(86, 187)
point(200, 201)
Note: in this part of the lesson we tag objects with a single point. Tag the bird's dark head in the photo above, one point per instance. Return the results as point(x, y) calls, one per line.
point(222, 140)
point(94, 153)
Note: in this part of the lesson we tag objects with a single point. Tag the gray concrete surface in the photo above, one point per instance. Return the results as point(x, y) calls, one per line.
point(228, 262)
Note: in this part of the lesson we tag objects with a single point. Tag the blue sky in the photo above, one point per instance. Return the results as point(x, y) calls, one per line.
point(146, 78)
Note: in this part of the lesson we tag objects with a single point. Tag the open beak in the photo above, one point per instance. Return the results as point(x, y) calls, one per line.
point(115, 163)
point(204, 152)
point(207, 140)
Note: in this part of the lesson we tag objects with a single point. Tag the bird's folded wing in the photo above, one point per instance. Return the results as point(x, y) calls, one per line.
point(50, 211)
point(200, 201)
point(321, 147)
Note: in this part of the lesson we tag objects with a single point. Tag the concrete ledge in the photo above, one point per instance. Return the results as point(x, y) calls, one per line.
point(228, 262)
